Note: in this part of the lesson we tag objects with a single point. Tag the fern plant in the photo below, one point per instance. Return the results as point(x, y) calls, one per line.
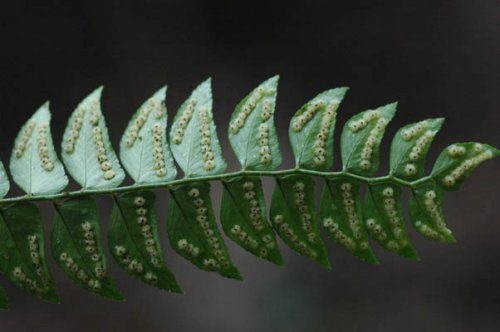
point(148, 157)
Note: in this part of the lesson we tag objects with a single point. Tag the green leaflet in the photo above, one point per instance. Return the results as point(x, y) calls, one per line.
point(341, 216)
point(4, 300)
point(192, 230)
point(193, 136)
point(4, 181)
point(384, 220)
point(134, 242)
point(34, 164)
point(243, 218)
point(311, 130)
point(426, 214)
point(410, 146)
point(293, 216)
point(144, 150)
point(457, 162)
point(22, 250)
point(86, 148)
point(361, 137)
point(76, 246)
point(252, 133)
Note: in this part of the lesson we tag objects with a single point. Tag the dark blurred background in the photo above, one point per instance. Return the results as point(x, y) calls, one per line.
point(437, 58)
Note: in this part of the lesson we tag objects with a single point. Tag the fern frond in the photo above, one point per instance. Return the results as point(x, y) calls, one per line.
point(148, 157)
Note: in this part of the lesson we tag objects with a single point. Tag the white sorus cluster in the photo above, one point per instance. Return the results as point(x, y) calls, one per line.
point(456, 150)
point(78, 271)
point(206, 149)
point(289, 234)
point(376, 229)
point(133, 265)
point(142, 220)
point(255, 211)
point(43, 150)
point(369, 116)
point(32, 285)
point(245, 239)
point(183, 122)
point(415, 130)
point(350, 210)
point(158, 156)
point(418, 150)
point(322, 136)
point(189, 248)
point(24, 139)
point(139, 122)
point(468, 165)
point(391, 212)
point(102, 157)
point(91, 248)
point(306, 218)
point(35, 255)
point(250, 104)
point(159, 108)
point(375, 134)
point(341, 237)
point(264, 148)
point(76, 126)
point(213, 241)
point(301, 120)
point(432, 208)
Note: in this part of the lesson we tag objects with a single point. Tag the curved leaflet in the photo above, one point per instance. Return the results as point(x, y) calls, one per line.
point(311, 130)
point(134, 242)
point(457, 161)
point(252, 133)
point(426, 214)
point(76, 246)
point(22, 250)
point(361, 137)
point(192, 230)
point(342, 218)
point(384, 220)
point(293, 217)
point(86, 148)
point(144, 150)
point(193, 136)
point(410, 146)
point(243, 218)
point(34, 164)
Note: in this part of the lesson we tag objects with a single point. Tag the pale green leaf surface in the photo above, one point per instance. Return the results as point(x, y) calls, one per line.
point(457, 161)
point(252, 133)
point(193, 136)
point(243, 218)
point(4, 181)
point(361, 137)
point(144, 150)
point(86, 148)
point(311, 130)
point(410, 146)
point(34, 164)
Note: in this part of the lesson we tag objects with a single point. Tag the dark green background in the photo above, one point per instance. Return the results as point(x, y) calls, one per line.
point(437, 58)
